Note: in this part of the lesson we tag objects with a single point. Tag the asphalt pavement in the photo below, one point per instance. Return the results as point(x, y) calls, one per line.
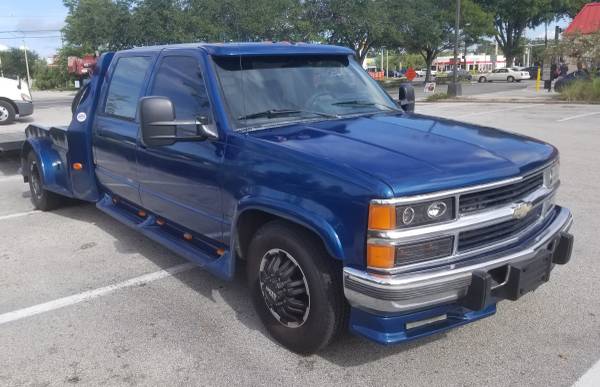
point(85, 300)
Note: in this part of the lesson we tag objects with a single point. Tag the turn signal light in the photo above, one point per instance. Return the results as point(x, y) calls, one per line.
point(141, 213)
point(77, 166)
point(381, 256)
point(187, 236)
point(160, 222)
point(382, 217)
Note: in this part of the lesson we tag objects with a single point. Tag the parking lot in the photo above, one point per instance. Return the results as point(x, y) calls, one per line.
point(85, 300)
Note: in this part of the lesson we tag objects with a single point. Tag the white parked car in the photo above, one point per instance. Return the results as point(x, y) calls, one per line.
point(421, 73)
point(506, 74)
point(15, 99)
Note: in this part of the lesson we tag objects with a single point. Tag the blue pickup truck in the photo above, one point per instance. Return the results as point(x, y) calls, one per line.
point(346, 209)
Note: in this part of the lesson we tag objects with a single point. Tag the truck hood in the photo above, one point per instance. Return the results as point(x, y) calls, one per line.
point(414, 153)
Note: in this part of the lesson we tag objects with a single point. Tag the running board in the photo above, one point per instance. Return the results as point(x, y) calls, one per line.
point(222, 266)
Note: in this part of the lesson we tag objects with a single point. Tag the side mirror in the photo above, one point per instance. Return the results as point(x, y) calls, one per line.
point(19, 84)
point(406, 97)
point(156, 116)
point(159, 126)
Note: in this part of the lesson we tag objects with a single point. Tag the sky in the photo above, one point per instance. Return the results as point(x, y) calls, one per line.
point(43, 19)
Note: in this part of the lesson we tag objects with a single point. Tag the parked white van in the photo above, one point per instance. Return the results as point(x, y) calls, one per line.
point(15, 99)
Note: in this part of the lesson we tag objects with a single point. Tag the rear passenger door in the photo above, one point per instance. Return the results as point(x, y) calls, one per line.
point(116, 125)
point(182, 182)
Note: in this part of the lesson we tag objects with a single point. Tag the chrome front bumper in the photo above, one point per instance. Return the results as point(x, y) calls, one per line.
point(418, 290)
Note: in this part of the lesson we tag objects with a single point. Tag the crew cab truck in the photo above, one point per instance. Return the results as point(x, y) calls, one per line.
point(349, 210)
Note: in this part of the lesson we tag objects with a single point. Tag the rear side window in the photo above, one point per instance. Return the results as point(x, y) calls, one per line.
point(179, 78)
point(126, 86)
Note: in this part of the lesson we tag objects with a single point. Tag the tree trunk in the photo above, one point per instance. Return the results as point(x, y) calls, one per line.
point(429, 56)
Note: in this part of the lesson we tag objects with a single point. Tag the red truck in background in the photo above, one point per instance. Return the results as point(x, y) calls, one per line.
point(82, 67)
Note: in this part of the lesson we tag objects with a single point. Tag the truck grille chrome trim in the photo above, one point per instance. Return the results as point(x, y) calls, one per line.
point(494, 197)
point(495, 215)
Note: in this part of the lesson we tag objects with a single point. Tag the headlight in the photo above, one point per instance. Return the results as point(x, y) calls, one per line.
point(552, 175)
point(391, 217)
point(26, 97)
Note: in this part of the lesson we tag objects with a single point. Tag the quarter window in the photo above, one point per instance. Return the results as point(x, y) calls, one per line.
point(126, 86)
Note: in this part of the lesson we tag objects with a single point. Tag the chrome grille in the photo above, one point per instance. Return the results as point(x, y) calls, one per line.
point(493, 197)
point(495, 233)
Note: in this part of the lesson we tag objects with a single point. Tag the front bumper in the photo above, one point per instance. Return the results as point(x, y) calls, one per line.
point(455, 284)
point(24, 108)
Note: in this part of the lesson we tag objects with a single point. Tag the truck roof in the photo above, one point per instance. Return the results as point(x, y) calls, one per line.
point(264, 48)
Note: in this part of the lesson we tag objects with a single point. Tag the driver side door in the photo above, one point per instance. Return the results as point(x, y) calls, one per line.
point(181, 182)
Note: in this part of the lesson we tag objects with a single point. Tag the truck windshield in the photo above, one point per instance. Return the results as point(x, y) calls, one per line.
point(271, 90)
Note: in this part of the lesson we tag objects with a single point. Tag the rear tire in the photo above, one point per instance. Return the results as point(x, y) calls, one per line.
point(303, 310)
point(510, 79)
point(41, 198)
point(7, 113)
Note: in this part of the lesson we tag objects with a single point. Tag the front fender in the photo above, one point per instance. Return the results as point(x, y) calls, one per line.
point(51, 165)
point(294, 214)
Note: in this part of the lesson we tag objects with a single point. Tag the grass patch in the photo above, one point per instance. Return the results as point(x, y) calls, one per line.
point(437, 97)
point(582, 91)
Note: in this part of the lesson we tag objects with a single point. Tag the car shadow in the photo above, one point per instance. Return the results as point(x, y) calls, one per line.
point(234, 293)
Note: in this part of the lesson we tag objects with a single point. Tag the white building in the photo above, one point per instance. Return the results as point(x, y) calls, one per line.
point(476, 62)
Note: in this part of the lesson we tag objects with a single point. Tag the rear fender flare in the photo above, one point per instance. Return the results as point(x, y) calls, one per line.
point(52, 170)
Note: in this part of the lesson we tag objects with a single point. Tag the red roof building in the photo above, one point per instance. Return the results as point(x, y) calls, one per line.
point(587, 20)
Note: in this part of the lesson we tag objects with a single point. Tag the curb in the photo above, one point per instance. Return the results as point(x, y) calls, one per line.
point(516, 100)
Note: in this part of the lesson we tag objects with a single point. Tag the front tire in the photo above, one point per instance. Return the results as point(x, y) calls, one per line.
point(482, 80)
point(41, 198)
point(7, 113)
point(296, 287)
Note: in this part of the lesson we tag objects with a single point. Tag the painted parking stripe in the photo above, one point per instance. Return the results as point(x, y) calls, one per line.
point(90, 294)
point(19, 214)
point(492, 111)
point(577, 116)
point(591, 378)
point(10, 178)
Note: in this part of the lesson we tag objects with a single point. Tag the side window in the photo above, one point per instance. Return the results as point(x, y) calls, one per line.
point(179, 78)
point(125, 86)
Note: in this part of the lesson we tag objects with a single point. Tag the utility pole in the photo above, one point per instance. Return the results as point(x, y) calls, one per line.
point(387, 63)
point(1, 69)
point(455, 89)
point(27, 64)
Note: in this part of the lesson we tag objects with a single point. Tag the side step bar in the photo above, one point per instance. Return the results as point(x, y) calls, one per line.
point(221, 266)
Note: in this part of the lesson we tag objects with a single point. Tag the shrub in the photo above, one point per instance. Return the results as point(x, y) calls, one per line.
point(582, 91)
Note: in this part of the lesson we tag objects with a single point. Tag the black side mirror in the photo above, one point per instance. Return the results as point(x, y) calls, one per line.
point(156, 116)
point(159, 126)
point(19, 84)
point(406, 97)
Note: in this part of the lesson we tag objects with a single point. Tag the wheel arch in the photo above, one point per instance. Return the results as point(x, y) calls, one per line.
point(11, 103)
point(250, 217)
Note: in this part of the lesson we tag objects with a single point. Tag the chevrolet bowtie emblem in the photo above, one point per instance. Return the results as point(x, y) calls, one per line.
point(522, 209)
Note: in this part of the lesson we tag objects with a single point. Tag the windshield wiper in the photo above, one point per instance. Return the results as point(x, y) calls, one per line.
point(358, 102)
point(274, 113)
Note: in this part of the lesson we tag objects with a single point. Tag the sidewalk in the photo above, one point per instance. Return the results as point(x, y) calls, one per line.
point(527, 95)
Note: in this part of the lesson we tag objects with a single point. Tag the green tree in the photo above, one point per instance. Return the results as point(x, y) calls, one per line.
point(100, 24)
point(358, 24)
point(426, 28)
point(13, 62)
point(512, 18)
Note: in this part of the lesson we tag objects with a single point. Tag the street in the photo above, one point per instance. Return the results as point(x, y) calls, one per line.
point(84, 299)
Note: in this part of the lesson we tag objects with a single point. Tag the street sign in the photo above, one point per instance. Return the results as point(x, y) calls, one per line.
point(429, 87)
point(410, 74)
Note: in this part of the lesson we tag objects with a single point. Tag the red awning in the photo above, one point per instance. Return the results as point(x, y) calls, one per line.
point(587, 20)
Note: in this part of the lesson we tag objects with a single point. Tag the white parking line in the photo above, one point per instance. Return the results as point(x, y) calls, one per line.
point(19, 214)
point(81, 297)
point(591, 378)
point(492, 111)
point(10, 178)
point(577, 116)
